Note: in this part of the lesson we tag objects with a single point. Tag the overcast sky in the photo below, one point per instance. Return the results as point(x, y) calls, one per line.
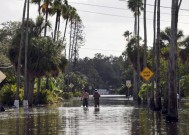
point(105, 22)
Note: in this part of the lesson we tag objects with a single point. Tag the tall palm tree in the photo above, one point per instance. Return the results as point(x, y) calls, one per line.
point(46, 9)
point(152, 103)
point(136, 7)
point(56, 9)
point(26, 59)
point(65, 14)
point(145, 35)
point(165, 36)
point(172, 94)
point(158, 89)
point(19, 56)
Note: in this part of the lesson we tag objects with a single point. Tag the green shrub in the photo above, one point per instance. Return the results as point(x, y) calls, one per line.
point(67, 95)
point(77, 94)
point(45, 97)
point(8, 93)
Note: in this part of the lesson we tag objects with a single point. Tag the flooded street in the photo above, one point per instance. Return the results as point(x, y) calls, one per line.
point(116, 116)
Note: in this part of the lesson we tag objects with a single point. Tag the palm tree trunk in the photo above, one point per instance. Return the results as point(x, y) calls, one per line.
point(19, 56)
point(69, 55)
point(38, 90)
point(56, 24)
point(31, 80)
point(172, 94)
point(145, 35)
point(152, 104)
point(45, 33)
point(65, 33)
point(26, 56)
point(138, 58)
point(46, 19)
point(158, 89)
point(74, 40)
point(39, 7)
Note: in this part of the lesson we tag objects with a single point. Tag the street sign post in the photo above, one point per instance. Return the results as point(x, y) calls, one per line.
point(146, 74)
point(2, 76)
point(128, 84)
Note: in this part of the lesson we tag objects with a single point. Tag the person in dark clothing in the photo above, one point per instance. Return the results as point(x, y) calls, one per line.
point(85, 98)
point(96, 96)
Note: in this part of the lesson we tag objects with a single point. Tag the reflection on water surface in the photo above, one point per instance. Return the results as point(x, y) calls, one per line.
point(116, 116)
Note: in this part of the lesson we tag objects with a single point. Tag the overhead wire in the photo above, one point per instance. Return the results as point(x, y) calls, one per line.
point(124, 16)
point(118, 8)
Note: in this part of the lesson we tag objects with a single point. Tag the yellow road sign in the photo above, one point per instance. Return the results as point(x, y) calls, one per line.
point(146, 73)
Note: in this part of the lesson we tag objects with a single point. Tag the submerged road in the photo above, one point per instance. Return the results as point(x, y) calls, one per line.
point(116, 116)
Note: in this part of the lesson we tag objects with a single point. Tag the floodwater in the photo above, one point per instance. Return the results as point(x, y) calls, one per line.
point(116, 116)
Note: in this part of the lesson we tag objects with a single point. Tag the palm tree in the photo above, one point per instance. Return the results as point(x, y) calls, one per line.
point(56, 9)
point(65, 14)
point(172, 94)
point(38, 2)
point(46, 9)
point(152, 103)
point(145, 35)
point(26, 60)
point(158, 91)
point(16, 103)
point(136, 6)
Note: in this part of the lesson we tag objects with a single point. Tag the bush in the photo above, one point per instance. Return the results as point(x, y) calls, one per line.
point(67, 95)
point(8, 93)
point(77, 94)
point(45, 97)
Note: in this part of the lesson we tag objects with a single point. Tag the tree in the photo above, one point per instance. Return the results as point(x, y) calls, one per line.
point(145, 35)
point(172, 94)
point(56, 9)
point(136, 6)
point(158, 90)
point(38, 2)
point(19, 56)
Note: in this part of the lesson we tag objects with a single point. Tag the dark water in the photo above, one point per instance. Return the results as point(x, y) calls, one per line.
point(116, 116)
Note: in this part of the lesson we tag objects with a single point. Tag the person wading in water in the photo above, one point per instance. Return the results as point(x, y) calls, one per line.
point(96, 96)
point(85, 98)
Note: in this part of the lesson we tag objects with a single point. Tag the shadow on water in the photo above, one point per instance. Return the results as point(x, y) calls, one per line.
point(116, 116)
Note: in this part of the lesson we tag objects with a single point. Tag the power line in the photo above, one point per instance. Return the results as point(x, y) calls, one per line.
point(123, 16)
point(118, 8)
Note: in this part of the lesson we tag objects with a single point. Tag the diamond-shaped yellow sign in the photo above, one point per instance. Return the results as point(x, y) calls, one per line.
point(146, 73)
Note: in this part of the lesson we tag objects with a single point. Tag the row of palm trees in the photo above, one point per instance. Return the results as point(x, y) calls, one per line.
point(31, 34)
point(136, 7)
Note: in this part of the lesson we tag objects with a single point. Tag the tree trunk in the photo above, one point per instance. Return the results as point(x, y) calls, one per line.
point(172, 94)
point(31, 89)
point(38, 90)
point(56, 24)
point(145, 35)
point(152, 103)
point(26, 56)
point(158, 89)
point(135, 85)
point(65, 33)
point(138, 57)
point(20, 52)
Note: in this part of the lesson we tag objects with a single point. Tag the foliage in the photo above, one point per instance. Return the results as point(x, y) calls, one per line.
point(67, 95)
point(77, 93)
point(46, 97)
point(7, 94)
point(144, 90)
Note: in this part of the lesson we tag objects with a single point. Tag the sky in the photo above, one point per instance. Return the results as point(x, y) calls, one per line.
point(105, 22)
